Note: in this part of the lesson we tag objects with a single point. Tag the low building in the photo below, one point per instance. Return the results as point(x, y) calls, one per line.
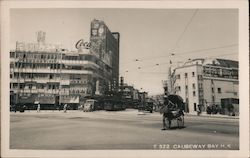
point(205, 82)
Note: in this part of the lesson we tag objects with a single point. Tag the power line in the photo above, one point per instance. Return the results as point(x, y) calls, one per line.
point(191, 52)
point(163, 73)
point(185, 29)
point(206, 49)
point(167, 63)
point(223, 55)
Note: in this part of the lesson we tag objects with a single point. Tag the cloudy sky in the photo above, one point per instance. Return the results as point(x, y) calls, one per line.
point(148, 36)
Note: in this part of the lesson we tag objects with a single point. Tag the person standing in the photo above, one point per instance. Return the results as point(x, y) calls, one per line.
point(38, 107)
point(15, 107)
point(164, 110)
point(65, 108)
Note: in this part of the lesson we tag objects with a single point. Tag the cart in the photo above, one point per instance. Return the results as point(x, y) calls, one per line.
point(173, 111)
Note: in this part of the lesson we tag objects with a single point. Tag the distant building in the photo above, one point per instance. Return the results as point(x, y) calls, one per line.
point(205, 82)
point(131, 95)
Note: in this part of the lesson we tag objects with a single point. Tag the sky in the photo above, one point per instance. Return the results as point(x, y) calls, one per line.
point(147, 36)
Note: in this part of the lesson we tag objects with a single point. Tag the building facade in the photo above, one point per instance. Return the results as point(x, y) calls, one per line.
point(206, 82)
point(105, 45)
point(47, 74)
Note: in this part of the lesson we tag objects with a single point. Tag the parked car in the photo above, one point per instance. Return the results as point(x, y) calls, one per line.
point(90, 105)
point(149, 106)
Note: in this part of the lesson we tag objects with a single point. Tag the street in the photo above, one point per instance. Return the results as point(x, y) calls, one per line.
point(129, 129)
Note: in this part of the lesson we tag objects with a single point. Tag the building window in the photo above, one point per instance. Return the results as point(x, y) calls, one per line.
point(213, 99)
point(193, 74)
point(194, 94)
point(178, 76)
point(186, 87)
point(201, 86)
point(186, 75)
point(194, 106)
point(193, 85)
point(219, 90)
point(212, 90)
point(30, 86)
point(212, 81)
point(11, 65)
point(178, 88)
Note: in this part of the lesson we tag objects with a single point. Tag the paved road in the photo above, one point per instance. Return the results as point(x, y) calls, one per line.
point(128, 129)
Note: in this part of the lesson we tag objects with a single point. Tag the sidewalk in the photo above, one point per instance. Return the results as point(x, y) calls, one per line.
point(212, 115)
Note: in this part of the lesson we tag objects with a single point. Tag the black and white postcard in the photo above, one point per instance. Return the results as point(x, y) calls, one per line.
point(124, 79)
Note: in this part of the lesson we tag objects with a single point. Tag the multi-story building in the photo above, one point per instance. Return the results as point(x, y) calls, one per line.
point(205, 82)
point(105, 45)
point(50, 75)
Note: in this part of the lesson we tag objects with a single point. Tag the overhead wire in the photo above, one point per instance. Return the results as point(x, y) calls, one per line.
point(192, 51)
point(185, 29)
point(179, 54)
point(167, 63)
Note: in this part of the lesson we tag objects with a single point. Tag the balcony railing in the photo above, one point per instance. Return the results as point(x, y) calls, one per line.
point(37, 80)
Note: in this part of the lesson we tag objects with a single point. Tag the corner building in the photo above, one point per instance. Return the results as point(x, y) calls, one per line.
point(50, 75)
point(206, 82)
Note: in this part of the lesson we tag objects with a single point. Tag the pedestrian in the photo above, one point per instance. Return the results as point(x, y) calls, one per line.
point(199, 110)
point(65, 108)
point(59, 107)
point(164, 121)
point(81, 107)
point(15, 107)
point(38, 107)
point(164, 110)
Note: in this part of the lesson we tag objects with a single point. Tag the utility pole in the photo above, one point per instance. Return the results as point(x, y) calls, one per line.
point(170, 77)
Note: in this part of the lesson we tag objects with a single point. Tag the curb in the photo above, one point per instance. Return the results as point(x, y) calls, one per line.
point(214, 116)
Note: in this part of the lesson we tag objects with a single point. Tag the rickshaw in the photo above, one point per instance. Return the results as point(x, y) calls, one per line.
point(173, 110)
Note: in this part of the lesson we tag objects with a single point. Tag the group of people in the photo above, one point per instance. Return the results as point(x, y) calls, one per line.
point(64, 107)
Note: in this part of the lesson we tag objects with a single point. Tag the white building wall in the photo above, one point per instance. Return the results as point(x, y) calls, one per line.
point(190, 93)
point(229, 89)
point(204, 88)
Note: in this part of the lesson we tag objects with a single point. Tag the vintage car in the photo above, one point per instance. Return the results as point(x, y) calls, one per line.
point(90, 105)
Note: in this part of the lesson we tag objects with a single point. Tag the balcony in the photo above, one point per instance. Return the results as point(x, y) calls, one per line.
point(36, 80)
point(80, 62)
point(37, 70)
point(76, 72)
